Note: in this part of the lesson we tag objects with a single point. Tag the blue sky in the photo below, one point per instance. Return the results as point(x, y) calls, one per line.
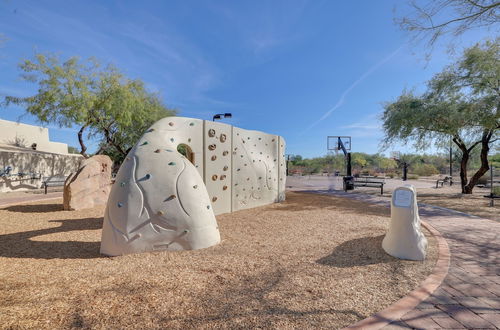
point(300, 69)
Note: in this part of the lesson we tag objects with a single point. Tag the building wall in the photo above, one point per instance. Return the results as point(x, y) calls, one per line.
point(34, 164)
point(12, 132)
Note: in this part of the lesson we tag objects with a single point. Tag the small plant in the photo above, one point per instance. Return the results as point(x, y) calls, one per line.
point(412, 177)
point(496, 191)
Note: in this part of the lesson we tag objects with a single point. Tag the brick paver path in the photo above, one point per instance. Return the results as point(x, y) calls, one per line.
point(469, 297)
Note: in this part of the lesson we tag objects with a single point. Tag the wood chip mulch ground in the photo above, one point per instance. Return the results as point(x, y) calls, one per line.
point(312, 261)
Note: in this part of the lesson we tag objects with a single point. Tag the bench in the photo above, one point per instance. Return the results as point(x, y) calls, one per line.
point(369, 182)
point(492, 198)
point(442, 181)
point(53, 181)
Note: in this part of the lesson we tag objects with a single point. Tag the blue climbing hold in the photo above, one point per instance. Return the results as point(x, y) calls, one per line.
point(120, 204)
point(148, 176)
point(123, 183)
point(171, 163)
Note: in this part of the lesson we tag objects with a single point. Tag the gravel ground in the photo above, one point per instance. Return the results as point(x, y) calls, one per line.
point(312, 261)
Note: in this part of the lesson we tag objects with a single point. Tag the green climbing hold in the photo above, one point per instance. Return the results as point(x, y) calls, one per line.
point(144, 143)
point(123, 183)
point(191, 124)
point(171, 163)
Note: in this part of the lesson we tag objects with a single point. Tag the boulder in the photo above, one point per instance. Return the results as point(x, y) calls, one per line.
point(90, 185)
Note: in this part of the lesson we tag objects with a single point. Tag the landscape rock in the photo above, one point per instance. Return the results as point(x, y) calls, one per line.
point(90, 185)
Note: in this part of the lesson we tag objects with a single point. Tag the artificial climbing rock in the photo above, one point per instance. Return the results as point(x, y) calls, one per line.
point(90, 185)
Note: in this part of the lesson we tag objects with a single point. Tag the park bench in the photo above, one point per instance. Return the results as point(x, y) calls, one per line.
point(368, 182)
point(53, 181)
point(440, 182)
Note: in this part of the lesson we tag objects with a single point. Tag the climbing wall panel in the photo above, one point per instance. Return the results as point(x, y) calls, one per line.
point(255, 169)
point(182, 131)
point(218, 165)
point(282, 169)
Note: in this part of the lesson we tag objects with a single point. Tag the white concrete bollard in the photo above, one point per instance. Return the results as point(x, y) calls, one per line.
point(404, 240)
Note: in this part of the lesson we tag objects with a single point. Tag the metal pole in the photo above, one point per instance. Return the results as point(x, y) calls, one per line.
point(451, 166)
point(349, 168)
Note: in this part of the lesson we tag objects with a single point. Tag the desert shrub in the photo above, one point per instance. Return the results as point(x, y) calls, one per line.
point(496, 191)
point(425, 169)
point(391, 175)
point(412, 177)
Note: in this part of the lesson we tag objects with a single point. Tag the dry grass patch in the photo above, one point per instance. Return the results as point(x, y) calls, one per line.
point(312, 261)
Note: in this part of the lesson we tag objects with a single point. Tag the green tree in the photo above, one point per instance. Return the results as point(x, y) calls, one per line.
point(461, 103)
point(387, 164)
point(104, 103)
point(358, 160)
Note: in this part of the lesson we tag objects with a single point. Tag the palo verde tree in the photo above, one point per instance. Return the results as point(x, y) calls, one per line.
point(101, 101)
point(431, 19)
point(461, 105)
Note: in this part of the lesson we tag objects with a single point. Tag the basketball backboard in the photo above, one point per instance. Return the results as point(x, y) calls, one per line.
point(333, 142)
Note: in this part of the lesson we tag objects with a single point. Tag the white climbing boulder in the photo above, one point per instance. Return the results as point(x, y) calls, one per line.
point(404, 239)
point(158, 201)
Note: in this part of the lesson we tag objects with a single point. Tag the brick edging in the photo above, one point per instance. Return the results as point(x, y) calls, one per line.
point(395, 311)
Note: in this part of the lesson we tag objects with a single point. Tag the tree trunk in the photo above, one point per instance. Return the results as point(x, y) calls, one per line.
point(485, 148)
point(80, 139)
point(463, 170)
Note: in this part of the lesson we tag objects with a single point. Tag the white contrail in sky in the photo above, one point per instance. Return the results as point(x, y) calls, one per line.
point(342, 98)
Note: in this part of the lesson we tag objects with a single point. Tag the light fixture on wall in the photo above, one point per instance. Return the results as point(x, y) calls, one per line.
point(221, 115)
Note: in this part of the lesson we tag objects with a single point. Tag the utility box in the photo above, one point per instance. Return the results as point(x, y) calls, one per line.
point(404, 239)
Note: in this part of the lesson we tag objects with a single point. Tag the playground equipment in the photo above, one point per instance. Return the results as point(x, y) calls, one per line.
point(163, 200)
point(404, 240)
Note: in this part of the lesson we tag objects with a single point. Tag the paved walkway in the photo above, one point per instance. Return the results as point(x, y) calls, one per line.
point(5, 201)
point(469, 297)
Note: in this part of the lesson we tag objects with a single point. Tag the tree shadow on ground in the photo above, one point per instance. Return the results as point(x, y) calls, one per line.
point(21, 245)
point(38, 208)
point(249, 300)
point(358, 252)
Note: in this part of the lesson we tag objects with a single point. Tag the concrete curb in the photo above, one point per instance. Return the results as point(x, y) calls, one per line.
point(414, 298)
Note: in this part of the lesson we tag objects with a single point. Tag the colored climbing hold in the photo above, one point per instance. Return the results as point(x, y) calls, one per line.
point(214, 199)
point(144, 143)
point(171, 124)
point(224, 188)
point(161, 213)
point(222, 138)
point(214, 157)
point(212, 147)
point(211, 132)
point(172, 139)
point(195, 186)
point(191, 124)
point(120, 204)
point(208, 207)
point(171, 163)
point(189, 140)
point(157, 151)
point(225, 153)
point(122, 184)
point(214, 177)
point(222, 177)
point(150, 130)
point(148, 176)
point(225, 168)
